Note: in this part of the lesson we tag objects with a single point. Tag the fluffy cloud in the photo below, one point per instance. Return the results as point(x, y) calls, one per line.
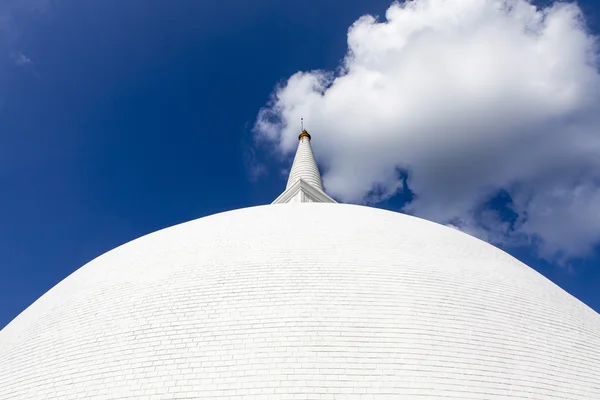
point(466, 98)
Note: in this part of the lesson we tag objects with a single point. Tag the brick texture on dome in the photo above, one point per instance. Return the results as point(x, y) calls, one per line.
point(303, 301)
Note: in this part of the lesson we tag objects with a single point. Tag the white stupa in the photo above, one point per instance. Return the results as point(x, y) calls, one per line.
point(303, 299)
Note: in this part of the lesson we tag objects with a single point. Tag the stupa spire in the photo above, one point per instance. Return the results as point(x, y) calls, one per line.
point(304, 166)
point(304, 182)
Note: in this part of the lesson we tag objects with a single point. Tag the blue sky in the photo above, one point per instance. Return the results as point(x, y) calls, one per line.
point(119, 118)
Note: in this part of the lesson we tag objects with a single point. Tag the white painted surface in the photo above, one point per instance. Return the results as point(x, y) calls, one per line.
point(305, 167)
point(316, 301)
point(302, 192)
point(304, 182)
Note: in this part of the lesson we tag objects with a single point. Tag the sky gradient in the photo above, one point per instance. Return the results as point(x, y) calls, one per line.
point(121, 118)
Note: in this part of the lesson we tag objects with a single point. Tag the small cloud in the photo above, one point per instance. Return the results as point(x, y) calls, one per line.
point(255, 168)
point(25, 62)
point(21, 59)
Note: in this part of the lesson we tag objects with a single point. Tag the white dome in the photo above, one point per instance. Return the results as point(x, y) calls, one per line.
point(303, 301)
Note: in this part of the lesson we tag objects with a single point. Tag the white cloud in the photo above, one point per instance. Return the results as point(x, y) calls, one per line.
point(469, 97)
point(21, 59)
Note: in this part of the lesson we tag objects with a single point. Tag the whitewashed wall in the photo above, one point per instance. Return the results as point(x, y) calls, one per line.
point(303, 301)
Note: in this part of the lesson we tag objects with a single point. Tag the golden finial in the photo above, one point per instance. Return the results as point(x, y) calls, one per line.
point(304, 132)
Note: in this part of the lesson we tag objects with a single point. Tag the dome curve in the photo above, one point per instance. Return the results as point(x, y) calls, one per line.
point(312, 299)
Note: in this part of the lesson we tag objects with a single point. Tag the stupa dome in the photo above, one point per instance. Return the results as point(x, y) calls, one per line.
point(313, 301)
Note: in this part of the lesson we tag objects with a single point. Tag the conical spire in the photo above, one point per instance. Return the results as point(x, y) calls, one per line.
point(304, 184)
point(305, 166)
